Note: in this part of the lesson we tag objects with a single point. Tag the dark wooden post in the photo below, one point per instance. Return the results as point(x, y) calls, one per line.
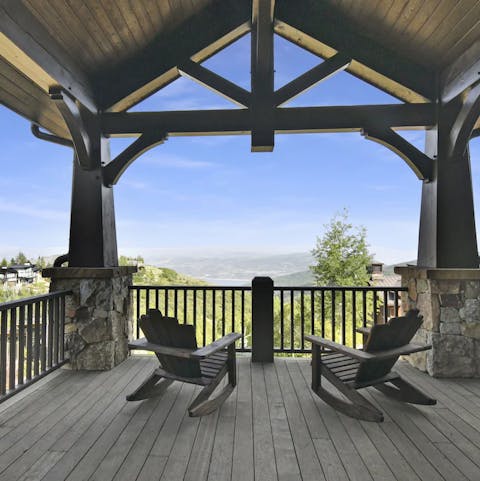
point(93, 240)
point(262, 319)
point(447, 237)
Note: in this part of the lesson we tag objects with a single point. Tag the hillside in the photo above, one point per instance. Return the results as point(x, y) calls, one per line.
point(158, 276)
point(298, 279)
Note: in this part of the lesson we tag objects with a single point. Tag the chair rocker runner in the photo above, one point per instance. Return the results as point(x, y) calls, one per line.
point(176, 348)
point(351, 369)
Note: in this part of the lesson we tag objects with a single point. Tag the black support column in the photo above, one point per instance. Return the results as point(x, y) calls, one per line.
point(447, 237)
point(93, 241)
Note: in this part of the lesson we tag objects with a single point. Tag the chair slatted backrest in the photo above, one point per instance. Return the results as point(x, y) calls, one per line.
point(166, 331)
point(397, 332)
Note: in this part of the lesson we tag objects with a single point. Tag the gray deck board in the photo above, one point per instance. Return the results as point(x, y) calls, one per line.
point(79, 426)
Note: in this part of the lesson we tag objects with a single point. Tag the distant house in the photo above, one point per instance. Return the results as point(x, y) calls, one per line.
point(379, 279)
point(18, 274)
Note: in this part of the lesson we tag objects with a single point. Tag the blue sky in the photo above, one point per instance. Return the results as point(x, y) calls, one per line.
point(211, 195)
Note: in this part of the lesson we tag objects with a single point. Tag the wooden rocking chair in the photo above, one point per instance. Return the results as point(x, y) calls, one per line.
point(176, 348)
point(351, 369)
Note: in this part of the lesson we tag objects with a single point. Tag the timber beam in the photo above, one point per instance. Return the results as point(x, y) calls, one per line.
point(32, 50)
point(215, 82)
point(309, 79)
point(262, 75)
point(419, 162)
point(197, 39)
point(316, 26)
point(464, 123)
point(117, 166)
point(80, 123)
point(298, 119)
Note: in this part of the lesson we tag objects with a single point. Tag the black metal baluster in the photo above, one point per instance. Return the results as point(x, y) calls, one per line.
point(3, 351)
point(364, 308)
point(344, 322)
point(312, 312)
point(50, 334)
point(243, 318)
point(354, 318)
point(233, 309)
point(36, 354)
point(385, 306)
point(204, 307)
point(292, 322)
point(137, 317)
point(374, 307)
point(223, 312)
point(333, 315)
point(43, 349)
point(282, 323)
point(28, 367)
point(214, 301)
point(302, 319)
point(396, 302)
point(21, 345)
point(185, 305)
point(323, 312)
point(12, 349)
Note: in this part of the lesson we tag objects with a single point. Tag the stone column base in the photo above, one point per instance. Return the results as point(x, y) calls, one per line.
point(449, 301)
point(98, 321)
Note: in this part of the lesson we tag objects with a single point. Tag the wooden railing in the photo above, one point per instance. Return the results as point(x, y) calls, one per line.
point(31, 340)
point(331, 312)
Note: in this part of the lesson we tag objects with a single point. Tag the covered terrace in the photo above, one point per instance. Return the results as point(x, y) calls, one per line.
point(74, 69)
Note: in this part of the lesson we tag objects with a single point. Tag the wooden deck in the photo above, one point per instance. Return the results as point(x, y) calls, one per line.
point(77, 426)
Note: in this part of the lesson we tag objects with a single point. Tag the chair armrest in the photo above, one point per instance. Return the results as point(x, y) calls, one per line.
point(215, 346)
point(400, 351)
point(334, 346)
point(143, 345)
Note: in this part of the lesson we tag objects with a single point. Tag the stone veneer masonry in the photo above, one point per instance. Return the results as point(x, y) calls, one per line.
point(449, 300)
point(98, 319)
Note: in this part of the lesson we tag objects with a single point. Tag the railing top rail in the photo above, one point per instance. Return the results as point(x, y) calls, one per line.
point(340, 288)
point(193, 288)
point(32, 300)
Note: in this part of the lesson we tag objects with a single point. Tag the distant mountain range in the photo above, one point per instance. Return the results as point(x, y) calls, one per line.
point(241, 267)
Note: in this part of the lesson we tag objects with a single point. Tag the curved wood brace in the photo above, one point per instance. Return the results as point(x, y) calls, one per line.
point(114, 169)
point(70, 112)
point(209, 405)
point(464, 124)
point(359, 408)
point(419, 162)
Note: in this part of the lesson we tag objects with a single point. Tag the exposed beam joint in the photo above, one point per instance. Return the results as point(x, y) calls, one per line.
point(75, 117)
point(32, 50)
point(114, 169)
point(262, 76)
point(317, 21)
point(198, 38)
point(309, 79)
point(464, 123)
point(299, 119)
point(214, 82)
point(418, 161)
point(461, 74)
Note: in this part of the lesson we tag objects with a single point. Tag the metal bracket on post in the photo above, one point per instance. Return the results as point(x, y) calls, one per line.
point(262, 319)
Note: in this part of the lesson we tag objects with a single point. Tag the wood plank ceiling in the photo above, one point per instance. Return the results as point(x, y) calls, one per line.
point(119, 51)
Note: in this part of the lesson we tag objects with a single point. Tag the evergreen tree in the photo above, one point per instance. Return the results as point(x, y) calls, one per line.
point(341, 255)
point(4, 262)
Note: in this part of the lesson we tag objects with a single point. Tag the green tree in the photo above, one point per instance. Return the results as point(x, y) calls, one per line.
point(21, 258)
point(4, 262)
point(341, 255)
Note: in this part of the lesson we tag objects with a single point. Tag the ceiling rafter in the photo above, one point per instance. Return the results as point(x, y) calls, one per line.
point(309, 79)
point(315, 26)
point(215, 82)
point(156, 66)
